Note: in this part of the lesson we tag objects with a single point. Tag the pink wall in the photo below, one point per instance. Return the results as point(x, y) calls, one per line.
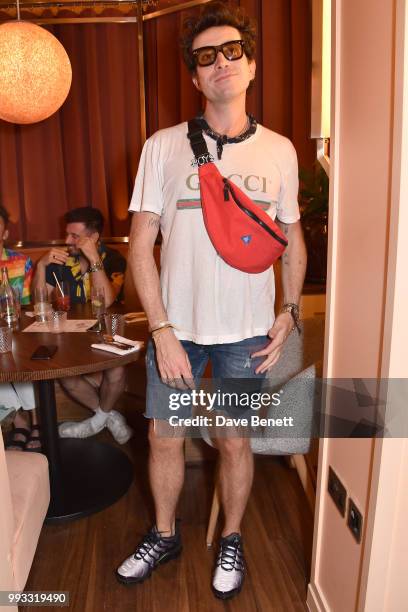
point(340, 560)
point(361, 180)
point(366, 48)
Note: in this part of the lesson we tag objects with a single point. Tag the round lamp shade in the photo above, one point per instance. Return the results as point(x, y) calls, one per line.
point(35, 73)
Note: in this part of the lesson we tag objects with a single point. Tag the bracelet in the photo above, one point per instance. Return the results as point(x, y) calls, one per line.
point(157, 332)
point(96, 267)
point(160, 326)
point(293, 309)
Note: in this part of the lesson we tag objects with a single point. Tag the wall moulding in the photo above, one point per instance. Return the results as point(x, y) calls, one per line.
point(321, 80)
point(92, 11)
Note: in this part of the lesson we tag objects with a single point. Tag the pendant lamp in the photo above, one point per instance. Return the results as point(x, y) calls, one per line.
point(35, 72)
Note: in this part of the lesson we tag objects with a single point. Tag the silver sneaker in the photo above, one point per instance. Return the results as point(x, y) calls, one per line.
point(152, 550)
point(120, 430)
point(79, 429)
point(230, 568)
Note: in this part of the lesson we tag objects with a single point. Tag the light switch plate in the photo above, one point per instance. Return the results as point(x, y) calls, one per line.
point(354, 520)
point(337, 491)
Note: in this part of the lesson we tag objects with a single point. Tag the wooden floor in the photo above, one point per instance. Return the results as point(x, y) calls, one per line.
point(81, 557)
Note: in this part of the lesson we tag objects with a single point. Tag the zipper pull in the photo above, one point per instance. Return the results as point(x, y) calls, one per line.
point(226, 190)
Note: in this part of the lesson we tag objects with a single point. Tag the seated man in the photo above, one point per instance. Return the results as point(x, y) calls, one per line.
point(86, 262)
point(25, 433)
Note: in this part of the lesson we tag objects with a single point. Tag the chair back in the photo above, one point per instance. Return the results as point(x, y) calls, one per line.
point(295, 377)
point(7, 582)
point(295, 373)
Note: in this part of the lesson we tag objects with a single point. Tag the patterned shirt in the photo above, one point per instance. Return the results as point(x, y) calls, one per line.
point(20, 272)
point(114, 265)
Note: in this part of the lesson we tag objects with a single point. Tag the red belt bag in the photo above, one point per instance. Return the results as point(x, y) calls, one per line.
point(241, 232)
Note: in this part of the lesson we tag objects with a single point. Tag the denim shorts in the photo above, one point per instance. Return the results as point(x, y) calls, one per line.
point(233, 375)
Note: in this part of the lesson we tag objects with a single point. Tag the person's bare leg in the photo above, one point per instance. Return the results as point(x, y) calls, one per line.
point(21, 421)
point(36, 443)
point(34, 417)
point(86, 393)
point(166, 472)
point(99, 392)
point(82, 391)
point(112, 387)
point(236, 475)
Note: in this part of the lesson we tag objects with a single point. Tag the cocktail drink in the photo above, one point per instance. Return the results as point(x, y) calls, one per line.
point(98, 307)
point(98, 304)
point(63, 302)
point(62, 298)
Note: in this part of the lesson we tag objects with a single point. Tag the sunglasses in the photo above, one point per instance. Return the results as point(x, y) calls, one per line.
point(231, 50)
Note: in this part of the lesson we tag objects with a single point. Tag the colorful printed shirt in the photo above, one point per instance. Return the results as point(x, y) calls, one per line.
point(80, 288)
point(20, 272)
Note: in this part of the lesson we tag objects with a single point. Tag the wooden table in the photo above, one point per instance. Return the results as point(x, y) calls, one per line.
point(85, 475)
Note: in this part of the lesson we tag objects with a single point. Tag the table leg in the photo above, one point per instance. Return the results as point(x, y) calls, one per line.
point(49, 430)
point(85, 475)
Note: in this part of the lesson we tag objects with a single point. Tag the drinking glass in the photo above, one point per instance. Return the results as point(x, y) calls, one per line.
point(42, 305)
point(98, 304)
point(10, 307)
point(17, 300)
point(56, 321)
point(114, 324)
point(62, 296)
point(6, 342)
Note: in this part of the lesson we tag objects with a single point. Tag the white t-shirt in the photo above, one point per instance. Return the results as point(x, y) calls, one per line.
point(207, 300)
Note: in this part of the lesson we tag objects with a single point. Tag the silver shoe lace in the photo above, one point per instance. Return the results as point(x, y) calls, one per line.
point(230, 556)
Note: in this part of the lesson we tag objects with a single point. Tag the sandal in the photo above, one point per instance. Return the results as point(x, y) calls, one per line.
point(34, 438)
point(19, 445)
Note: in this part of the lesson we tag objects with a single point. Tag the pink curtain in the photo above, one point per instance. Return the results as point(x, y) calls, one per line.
point(87, 153)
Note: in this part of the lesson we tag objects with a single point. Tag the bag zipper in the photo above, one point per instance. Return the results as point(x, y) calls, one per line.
point(229, 190)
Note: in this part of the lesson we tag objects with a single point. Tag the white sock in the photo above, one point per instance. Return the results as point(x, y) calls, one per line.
point(99, 417)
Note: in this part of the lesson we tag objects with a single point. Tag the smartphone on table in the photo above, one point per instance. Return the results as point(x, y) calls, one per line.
point(44, 352)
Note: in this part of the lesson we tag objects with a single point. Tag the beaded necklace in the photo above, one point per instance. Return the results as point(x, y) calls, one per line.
point(222, 139)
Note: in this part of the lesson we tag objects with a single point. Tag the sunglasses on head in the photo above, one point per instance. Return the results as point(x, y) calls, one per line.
point(231, 50)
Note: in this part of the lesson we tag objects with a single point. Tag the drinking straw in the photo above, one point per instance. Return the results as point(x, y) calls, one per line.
point(59, 286)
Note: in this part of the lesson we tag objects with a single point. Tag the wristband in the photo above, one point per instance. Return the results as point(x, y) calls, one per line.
point(98, 265)
point(157, 332)
point(160, 325)
point(293, 309)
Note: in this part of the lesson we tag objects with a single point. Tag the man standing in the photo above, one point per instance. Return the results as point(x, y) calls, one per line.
point(86, 262)
point(201, 308)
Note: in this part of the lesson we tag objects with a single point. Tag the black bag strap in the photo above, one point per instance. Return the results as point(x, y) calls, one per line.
point(198, 144)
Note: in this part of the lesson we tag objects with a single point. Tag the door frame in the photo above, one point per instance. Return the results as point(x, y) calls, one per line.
point(382, 547)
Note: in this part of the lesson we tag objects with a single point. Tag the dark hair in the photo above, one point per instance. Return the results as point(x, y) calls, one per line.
point(217, 14)
point(91, 217)
point(4, 215)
